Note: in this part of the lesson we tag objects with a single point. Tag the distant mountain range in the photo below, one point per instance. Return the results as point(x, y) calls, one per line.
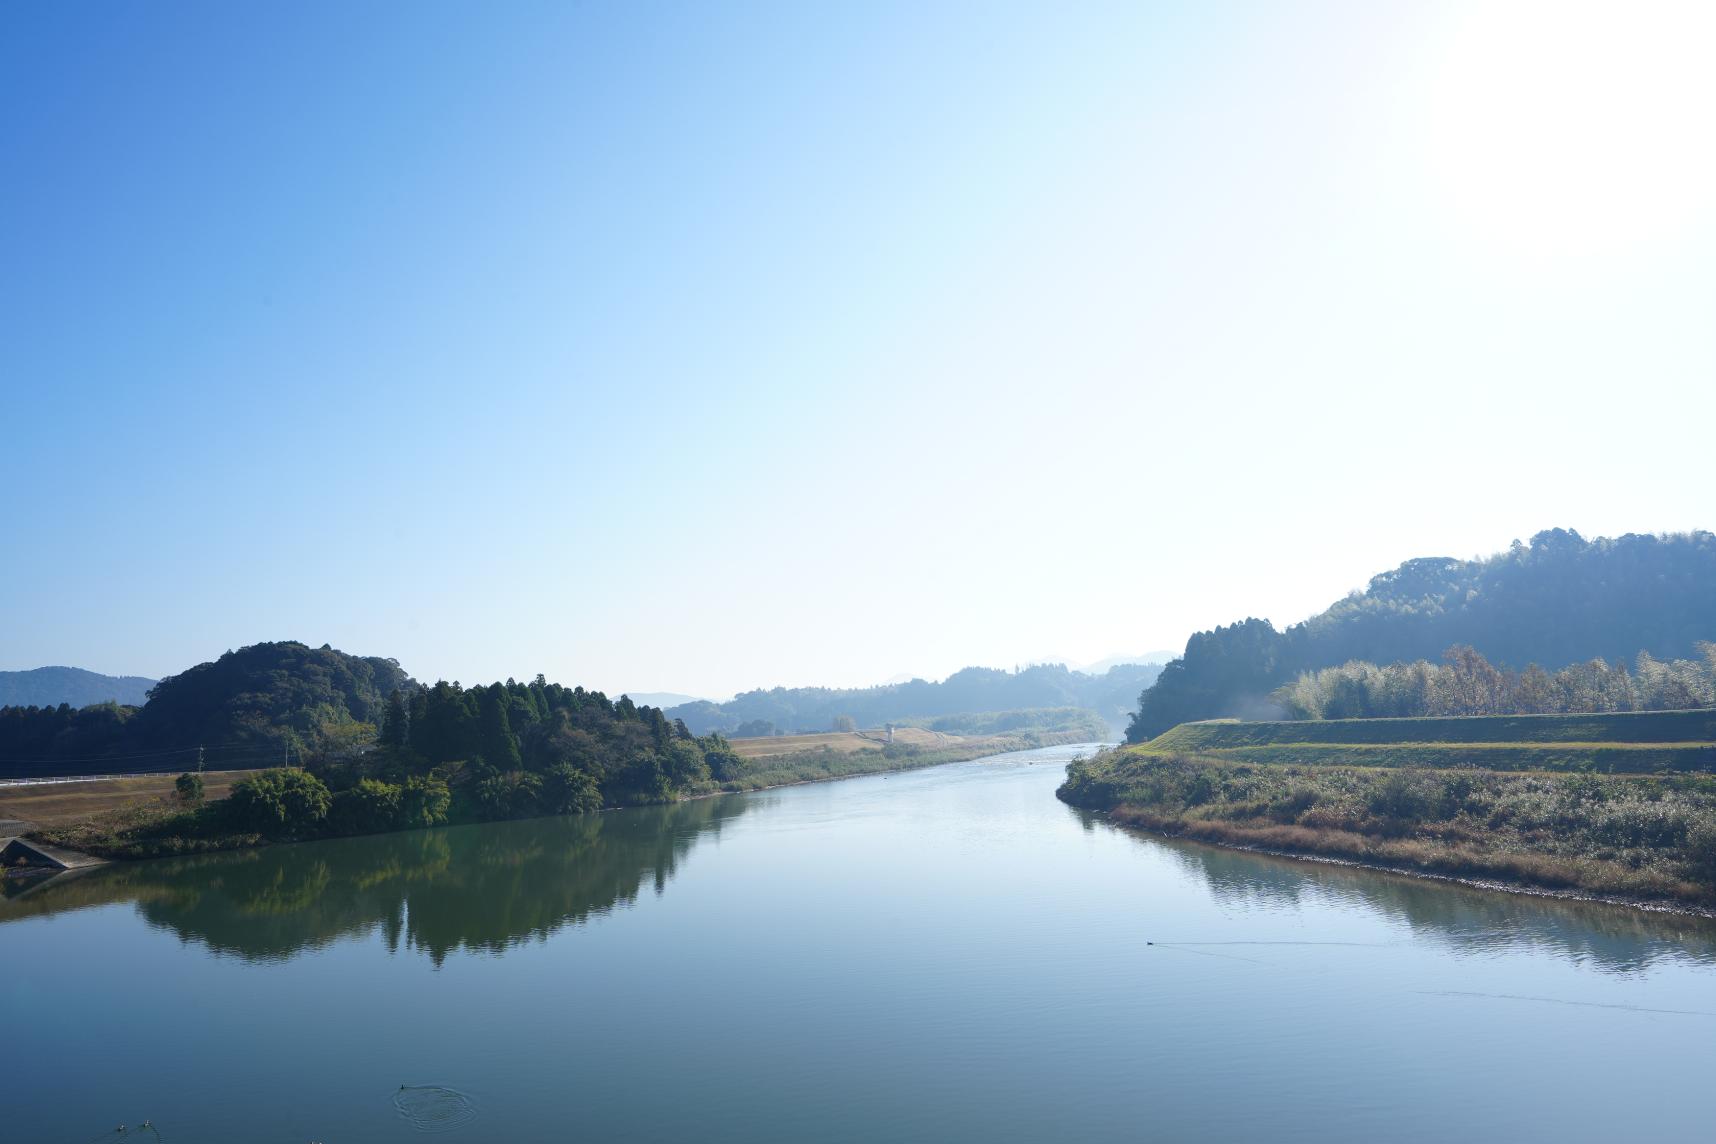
point(662, 699)
point(1103, 666)
point(52, 686)
point(1112, 694)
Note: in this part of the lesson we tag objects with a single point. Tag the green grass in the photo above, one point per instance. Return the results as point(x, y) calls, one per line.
point(1635, 727)
point(1635, 743)
point(1605, 758)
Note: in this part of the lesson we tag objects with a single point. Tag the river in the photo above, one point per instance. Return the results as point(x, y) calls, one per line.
point(944, 954)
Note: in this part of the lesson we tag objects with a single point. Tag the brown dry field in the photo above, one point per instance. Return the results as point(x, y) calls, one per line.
point(841, 742)
point(51, 804)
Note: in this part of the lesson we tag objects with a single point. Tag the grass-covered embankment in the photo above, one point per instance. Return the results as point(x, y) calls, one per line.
point(1628, 835)
point(1631, 743)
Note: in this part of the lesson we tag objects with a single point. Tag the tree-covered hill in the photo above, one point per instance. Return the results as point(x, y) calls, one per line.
point(52, 686)
point(269, 691)
point(974, 690)
point(517, 745)
point(252, 706)
point(1560, 600)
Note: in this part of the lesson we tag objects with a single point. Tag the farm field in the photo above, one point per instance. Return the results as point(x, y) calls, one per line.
point(842, 742)
point(53, 804)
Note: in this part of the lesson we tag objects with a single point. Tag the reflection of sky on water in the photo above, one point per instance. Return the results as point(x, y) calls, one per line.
point(1467, 921)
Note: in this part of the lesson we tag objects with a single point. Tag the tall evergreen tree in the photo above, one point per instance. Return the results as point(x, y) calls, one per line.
point(396, 722)
point(494, 736)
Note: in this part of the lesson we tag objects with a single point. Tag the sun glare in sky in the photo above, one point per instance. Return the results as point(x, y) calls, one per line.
point(707, 347)
point(1568, 129)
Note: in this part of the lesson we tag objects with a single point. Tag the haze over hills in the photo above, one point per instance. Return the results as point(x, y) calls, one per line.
point(662, 699)
point(1101, 666)
point(1559, 600)
point(974, 690)
point(52, 686)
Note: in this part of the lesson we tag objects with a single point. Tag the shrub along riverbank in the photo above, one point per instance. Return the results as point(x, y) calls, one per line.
point(1648, 838)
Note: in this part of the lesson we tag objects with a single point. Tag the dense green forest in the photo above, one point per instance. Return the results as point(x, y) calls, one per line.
point(1466, 683)
point(1558, 601)
point(52, 686)
point(974, 690)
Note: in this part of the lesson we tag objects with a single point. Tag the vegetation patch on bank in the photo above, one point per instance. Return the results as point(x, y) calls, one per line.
point(1637, 837)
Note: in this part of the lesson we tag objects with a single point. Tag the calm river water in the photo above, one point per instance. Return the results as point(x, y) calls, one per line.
point(946, 954)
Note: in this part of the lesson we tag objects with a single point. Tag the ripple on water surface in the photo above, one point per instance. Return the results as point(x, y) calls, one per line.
point(433, 1108)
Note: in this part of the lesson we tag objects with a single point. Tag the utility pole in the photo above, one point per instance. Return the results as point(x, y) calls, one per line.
point(199, 759)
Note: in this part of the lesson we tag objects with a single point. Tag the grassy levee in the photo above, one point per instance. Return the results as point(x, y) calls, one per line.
point(1608, 758)
point(1614, 727)
point(1568, 805)
point(1646, 742)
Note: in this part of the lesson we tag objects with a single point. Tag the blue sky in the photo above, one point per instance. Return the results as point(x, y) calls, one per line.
point(702, 347)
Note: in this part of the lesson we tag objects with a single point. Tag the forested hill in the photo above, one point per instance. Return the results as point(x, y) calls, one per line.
point(1559, 600)
point(508, 749)
point(51, 686)
point(249, 707)
point(1112, 695)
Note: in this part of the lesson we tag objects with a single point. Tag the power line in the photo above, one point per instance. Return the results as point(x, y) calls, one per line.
point(56, 771)
point(117, 758)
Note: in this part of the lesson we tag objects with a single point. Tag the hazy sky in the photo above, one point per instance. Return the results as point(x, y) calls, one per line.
point(706, 346)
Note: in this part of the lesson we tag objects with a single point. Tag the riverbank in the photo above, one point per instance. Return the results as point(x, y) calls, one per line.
point(139, 827)
point(827, 765)
point(1647, 840)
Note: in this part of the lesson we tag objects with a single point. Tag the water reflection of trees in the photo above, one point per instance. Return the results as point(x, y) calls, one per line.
point(1466, 919)
point(483, 887)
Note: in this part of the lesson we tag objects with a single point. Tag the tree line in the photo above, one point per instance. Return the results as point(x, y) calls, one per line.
point(366, 761)
point(1467, 683)
point(1557, 601)
point(448, 753)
